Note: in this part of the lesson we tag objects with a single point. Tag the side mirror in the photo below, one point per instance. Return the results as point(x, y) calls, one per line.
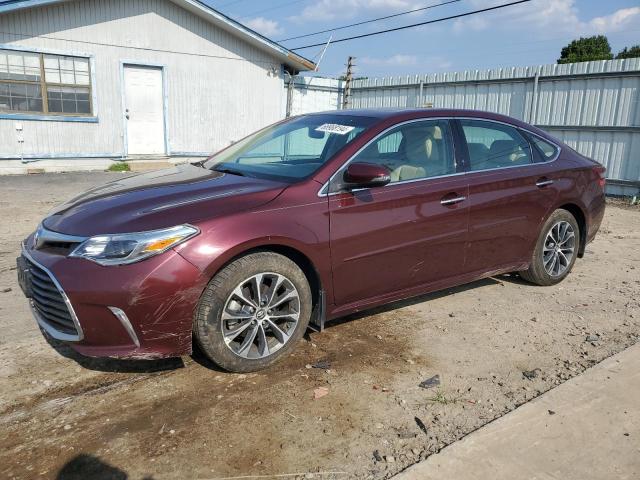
point(363, 175)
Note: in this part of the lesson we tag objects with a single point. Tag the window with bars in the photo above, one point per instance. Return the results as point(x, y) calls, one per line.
point(43, 83)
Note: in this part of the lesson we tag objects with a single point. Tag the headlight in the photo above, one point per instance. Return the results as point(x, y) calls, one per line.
point(126, 248)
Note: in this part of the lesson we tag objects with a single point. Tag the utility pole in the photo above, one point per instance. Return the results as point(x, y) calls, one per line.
point(290, 86)
point(346, 96)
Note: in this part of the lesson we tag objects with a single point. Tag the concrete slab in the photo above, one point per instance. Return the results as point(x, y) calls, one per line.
point(148, 165)
point(68, 165)
point(587, 428)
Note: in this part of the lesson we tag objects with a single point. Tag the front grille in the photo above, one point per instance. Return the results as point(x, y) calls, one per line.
point(48, 301)
point(58, 248)
point(54, 242)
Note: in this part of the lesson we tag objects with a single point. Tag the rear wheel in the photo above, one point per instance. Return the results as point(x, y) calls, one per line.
point(556, 250)
point(253, 312)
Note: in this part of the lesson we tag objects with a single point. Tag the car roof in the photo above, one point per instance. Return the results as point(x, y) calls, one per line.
point(388, 113)
point(401, 114)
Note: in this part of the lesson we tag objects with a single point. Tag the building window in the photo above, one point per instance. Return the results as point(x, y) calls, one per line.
point(44, 83)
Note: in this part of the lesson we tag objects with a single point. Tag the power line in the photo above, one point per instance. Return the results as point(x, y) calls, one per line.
point(371, 21)
point(245, 15)
point(275, 7)
point(230, 3)
point(380, 32)
point(469, 52)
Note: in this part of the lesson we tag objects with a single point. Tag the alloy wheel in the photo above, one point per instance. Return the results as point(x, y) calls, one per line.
point(260, 315)
point(559, 248)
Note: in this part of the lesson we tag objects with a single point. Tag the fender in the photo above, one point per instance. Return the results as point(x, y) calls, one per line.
point(576, 205)
point(282, 223)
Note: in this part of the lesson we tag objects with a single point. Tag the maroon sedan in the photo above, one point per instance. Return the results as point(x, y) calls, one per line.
point(309, 219)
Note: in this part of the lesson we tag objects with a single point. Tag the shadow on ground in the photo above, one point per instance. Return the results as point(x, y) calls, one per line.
point(511, 278)
point(114, 365)
point(169, 364)
point(83, 467)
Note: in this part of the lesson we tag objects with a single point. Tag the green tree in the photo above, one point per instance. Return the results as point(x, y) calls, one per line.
point(586, 50)
point(631, 52)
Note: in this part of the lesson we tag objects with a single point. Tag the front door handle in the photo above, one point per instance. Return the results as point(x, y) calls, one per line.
point(543, 182)
point(448, 200)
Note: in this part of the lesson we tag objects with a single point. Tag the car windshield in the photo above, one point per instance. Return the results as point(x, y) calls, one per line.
point(291, 150)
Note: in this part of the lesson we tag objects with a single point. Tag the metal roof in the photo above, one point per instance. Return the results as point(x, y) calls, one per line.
point(204, 11)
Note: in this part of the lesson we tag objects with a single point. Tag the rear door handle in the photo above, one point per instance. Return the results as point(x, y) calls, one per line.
point(452, 200)
point(543, 182)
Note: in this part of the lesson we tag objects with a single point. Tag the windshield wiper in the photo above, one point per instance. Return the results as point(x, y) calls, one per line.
point(230, 170)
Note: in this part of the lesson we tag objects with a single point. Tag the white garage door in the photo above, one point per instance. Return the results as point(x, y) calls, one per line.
point(144, 110)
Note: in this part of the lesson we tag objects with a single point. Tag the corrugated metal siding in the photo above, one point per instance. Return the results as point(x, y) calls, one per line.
point(618, 151)
point(593, 106)
point(315, 95)
point(223, 90)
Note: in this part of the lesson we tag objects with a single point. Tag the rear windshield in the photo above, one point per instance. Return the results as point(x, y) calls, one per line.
point(290, 150)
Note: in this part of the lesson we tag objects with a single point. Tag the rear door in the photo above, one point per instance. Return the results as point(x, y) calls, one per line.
point(510, 193)
point(410, 232)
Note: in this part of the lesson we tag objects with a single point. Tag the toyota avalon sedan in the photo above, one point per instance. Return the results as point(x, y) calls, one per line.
point(304, 221)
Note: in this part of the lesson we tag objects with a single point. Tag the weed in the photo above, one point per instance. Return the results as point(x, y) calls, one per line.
point(442, 399)
point(119, 167)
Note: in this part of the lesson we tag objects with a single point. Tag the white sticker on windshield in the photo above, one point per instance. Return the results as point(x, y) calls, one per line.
point(334, 128)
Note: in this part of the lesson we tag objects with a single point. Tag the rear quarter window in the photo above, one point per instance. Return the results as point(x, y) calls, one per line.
point(547, 151)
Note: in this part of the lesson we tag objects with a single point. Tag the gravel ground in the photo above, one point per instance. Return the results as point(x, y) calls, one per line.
point(494, 344)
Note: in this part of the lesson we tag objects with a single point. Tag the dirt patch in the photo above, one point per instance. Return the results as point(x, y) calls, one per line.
point(495, 344)
point(251, 421)
point(624, 202)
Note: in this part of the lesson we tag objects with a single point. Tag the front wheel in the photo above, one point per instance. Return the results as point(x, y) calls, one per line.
point(253, 312)
point(556, 250)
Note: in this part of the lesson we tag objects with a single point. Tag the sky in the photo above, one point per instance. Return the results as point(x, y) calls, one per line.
point(527, 34)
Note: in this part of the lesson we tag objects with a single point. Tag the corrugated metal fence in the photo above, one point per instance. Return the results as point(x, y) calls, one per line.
point(313, 94)
point(594, 107)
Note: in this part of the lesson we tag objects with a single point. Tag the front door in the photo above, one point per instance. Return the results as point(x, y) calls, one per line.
point(144, 110)
point(408, 233)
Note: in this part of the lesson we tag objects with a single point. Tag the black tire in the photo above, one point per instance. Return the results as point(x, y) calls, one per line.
point(208, 324)
point(537, 273)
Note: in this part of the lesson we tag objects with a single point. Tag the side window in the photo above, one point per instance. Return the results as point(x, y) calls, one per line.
point(493, 145)
point(413, 151)
point(547, 150)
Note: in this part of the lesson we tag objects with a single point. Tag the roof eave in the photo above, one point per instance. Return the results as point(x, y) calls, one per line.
point(288, 57)
point(13, 5)
point(296, 62)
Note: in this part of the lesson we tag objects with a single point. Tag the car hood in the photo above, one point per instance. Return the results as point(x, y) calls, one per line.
point(163, 198)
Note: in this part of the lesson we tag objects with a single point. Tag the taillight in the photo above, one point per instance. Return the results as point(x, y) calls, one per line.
point(600, 171)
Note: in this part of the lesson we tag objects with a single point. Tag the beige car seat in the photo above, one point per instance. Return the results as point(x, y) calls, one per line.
point(423, 154)
point(415, 155)
point(438, 162)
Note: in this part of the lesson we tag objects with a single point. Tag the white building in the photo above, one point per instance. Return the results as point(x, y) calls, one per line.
point(85, 82)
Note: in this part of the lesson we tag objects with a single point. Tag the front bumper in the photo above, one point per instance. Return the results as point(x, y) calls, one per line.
point(141, 310)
